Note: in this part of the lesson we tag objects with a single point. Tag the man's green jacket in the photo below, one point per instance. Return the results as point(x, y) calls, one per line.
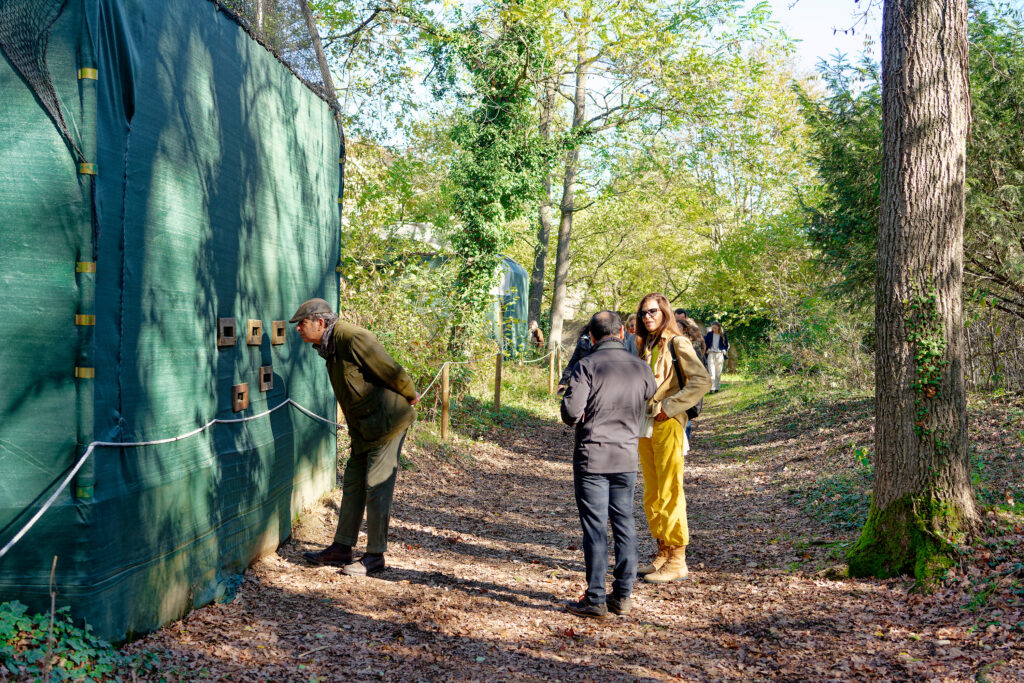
point(373, 390)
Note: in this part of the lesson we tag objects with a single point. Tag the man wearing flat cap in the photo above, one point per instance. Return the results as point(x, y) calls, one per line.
point(377, 397)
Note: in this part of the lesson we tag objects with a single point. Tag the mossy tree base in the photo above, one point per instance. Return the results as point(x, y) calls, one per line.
point(914, 535)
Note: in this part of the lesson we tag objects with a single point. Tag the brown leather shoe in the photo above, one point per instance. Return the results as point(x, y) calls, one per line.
point(584, 608)
point(620, 606)
point(335, 554)
point(367, 565)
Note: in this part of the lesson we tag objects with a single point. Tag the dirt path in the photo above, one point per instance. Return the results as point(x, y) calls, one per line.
point(484, 554)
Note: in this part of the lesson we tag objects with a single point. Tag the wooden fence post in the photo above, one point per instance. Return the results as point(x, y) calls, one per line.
point(551, 372)
point(497, 383)
point(445, 399)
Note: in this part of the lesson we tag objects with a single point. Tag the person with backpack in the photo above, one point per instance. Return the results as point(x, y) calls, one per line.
point(682, 382)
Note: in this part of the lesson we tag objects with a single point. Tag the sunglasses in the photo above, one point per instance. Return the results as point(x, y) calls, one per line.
point(649, 313)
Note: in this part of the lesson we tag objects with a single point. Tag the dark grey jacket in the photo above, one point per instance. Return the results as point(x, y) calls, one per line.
point(605, 400)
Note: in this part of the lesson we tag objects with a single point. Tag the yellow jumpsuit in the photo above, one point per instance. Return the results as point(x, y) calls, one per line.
point(663, 449)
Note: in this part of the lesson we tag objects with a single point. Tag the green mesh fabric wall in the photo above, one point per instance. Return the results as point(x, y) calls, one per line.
point(214, 195)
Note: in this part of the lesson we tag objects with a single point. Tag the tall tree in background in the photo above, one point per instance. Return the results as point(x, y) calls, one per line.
point(501, 161)
point(544, 223)
point(584, 62)
point(923, 503)
point(637, 69)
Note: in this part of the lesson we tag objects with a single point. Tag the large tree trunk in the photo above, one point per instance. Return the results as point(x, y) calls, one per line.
point(540, 253)
point(566, 209)
point(923, 503)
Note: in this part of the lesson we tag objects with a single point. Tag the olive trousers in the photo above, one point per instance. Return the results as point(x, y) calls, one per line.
point(661, 461)
point(369, 484)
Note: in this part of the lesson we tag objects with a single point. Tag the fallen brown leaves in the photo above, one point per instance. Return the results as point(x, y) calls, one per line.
point(484, 554)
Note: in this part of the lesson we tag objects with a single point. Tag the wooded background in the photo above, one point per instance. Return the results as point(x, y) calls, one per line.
point(651, 146)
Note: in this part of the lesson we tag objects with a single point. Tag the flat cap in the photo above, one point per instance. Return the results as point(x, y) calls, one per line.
point(309, 308)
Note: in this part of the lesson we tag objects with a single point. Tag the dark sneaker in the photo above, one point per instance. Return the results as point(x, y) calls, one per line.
point(368, 564)
point(620, 606)
point(584, 608)
point(335, 554)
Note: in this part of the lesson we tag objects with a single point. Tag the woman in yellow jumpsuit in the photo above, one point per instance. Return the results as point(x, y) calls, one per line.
point(663, 442)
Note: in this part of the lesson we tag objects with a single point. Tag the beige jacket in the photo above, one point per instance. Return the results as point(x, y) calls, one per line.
point(671, 397)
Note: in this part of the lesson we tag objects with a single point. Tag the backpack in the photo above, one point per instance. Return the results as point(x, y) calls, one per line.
point(693, 412)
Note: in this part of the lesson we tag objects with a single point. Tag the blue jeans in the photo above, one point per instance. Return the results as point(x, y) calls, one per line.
point(600, 497)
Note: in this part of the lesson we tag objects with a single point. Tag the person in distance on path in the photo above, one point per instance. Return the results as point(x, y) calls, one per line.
point(604, 400)
point(663, 442)
point(718, 350)
point(377, 397)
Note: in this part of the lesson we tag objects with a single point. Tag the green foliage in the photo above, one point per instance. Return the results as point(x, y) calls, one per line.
point(841, 500)
point(846, 128)
point(376, 51)
point(499, 167)
point(993, 250)
point(816, 338)
point(427, 224)
point(76, 653)
point(926, 336)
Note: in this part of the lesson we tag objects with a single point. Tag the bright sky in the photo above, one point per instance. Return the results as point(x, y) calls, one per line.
point(819, 25)
point(824, 26)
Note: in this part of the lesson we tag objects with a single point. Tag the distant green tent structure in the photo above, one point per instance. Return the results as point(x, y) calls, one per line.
point(511, 307)
point(169, 195)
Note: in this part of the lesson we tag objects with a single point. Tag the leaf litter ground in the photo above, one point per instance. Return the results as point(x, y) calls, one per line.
point(484, 554)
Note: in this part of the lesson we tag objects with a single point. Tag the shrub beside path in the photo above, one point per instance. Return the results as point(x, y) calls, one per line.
point(484, 554)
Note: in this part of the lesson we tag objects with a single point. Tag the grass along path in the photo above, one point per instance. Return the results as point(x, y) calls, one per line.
point(484, 554)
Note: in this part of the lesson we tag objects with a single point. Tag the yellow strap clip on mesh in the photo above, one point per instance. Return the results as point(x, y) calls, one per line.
point(87, 169)
point(88, 74)
point(85, 267)
point(85, 320)
point(85, 373)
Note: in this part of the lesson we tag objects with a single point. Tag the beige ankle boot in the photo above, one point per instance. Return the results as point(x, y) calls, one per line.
point(673, 569)
point(657, 562)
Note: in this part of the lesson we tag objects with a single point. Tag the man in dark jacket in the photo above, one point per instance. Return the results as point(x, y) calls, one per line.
point(377, 397)
point(605, 401)
point(718, 350)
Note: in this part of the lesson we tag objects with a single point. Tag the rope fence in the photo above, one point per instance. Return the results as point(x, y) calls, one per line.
point(136, 444)
point(553, 358)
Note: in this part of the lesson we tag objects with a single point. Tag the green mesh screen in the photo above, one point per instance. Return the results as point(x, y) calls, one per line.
point(214, 196)
point(512, 305)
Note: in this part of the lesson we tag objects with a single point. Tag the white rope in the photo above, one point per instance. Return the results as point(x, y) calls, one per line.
point(49, 502)
point(317, 417)
point(535, 360)
point(429, 386)
point(117, 444)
